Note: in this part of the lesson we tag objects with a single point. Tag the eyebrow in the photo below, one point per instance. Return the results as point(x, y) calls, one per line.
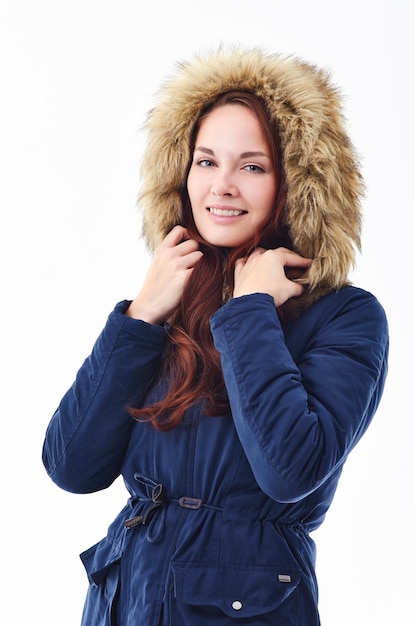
point(244, 155)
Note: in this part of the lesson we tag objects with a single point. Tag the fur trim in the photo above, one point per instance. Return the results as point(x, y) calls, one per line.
point(324, 185)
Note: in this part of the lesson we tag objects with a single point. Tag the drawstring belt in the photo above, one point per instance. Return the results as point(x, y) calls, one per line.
point(157, 502)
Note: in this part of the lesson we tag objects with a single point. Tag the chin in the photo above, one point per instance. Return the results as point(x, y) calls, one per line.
point(225, 243)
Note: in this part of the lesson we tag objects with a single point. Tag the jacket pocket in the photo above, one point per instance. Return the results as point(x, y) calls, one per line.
point(101, 562)
point(98, 559)
point(235, 592)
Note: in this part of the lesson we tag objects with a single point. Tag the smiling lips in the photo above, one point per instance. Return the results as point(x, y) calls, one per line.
point(225, 212)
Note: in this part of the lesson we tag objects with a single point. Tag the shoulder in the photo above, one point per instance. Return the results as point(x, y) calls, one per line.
point(351, 300)
point(350, 315)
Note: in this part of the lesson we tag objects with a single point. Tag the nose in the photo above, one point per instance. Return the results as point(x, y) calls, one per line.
point(224, 185)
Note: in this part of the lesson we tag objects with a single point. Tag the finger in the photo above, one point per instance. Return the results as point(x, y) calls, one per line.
point(192, 259)
point(293, 259)
point(175, 236)
point(299, 261)
point(187, 246)
point(297, 289)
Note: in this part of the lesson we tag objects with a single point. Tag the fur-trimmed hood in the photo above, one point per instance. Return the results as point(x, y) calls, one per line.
point(324, 185)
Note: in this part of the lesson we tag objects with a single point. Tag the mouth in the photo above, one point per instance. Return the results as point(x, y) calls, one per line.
point(225, 212)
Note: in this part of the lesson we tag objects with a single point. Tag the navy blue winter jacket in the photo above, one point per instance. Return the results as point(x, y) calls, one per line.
point(216, 529)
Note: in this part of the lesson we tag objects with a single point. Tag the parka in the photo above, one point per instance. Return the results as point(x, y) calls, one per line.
point(216, 527)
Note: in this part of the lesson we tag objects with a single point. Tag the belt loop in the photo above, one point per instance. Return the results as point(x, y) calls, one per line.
point(159, 494)
point(158, 497)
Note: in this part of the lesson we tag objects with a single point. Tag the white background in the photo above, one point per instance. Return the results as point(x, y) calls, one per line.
point(76, 81)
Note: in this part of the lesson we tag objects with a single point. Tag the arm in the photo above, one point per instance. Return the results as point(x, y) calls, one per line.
point(297, 421)
point(88, 435)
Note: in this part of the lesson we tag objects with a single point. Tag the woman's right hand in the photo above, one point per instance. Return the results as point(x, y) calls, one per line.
point(173, 262)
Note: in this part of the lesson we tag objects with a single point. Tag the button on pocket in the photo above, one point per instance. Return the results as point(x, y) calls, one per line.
point(237, 591)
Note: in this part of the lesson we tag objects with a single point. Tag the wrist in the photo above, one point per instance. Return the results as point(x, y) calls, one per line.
point(139, 312)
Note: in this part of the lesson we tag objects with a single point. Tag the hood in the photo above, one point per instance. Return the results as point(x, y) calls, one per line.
point(324, 184)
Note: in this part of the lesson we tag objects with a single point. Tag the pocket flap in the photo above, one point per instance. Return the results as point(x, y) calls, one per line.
point(99, 558)
point(239, 591)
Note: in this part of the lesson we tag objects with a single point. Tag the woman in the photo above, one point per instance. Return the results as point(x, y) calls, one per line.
point(231, 390)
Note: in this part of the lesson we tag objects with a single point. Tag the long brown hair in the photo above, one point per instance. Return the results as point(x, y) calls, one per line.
point(192, 363)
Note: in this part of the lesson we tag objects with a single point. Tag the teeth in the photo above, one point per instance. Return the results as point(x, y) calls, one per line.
point(225, 212)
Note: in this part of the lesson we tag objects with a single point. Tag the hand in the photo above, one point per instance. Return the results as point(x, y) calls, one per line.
point(173, 262)
point(263, 272)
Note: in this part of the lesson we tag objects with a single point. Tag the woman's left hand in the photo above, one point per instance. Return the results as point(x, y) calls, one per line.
point(263, 272)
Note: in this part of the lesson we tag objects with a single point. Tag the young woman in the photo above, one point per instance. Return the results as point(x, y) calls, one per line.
point(231, 390)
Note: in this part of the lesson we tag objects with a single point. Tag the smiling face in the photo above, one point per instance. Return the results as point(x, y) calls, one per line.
point(232, 183)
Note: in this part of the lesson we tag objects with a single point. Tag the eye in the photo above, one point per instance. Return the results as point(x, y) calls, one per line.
point(254, 168)
point(205, 163)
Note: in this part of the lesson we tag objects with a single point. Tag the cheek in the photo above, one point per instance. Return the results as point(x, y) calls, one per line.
point(266, 201)
point(189, 187)
point(194, 194)
point(193, 184)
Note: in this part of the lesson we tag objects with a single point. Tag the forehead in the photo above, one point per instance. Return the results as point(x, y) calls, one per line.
point(231, 123)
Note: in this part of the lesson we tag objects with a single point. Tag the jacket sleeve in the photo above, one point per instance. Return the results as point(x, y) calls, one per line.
point(88, 435)
point(297, 421)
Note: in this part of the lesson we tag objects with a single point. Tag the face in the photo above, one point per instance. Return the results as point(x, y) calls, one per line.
point(232, 182)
